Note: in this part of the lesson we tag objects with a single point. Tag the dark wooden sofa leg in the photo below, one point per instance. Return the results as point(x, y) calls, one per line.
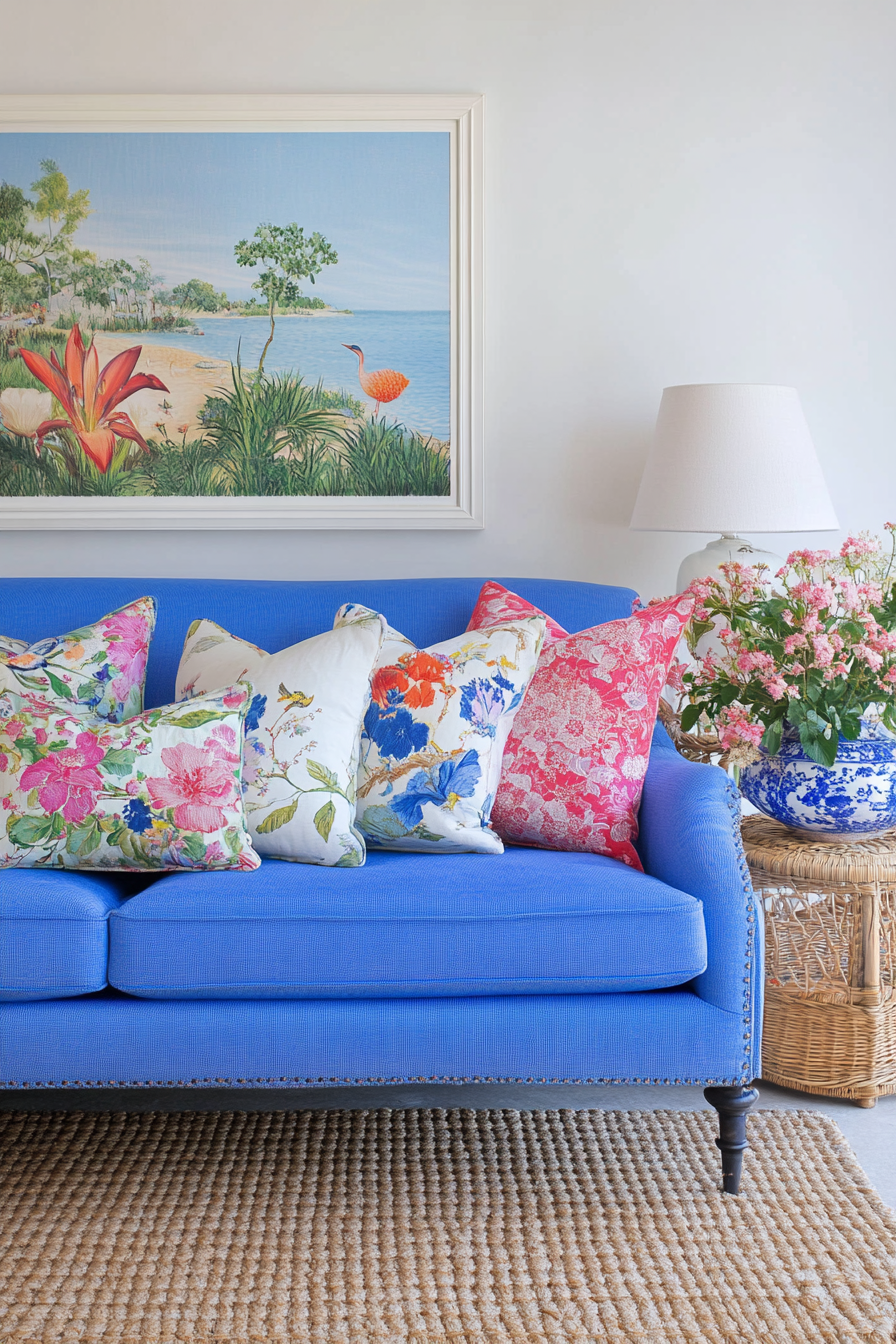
point(733, 1105)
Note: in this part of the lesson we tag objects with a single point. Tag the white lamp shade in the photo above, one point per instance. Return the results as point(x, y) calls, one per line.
point(732, 457)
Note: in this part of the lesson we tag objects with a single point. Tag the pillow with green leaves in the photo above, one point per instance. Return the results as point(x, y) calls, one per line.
point(101, 667)
point(162, 791)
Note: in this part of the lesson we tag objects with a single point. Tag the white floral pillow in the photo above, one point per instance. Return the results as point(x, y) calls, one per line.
point(101, 667)
point(302, 733)
point(435, 731)
point(162, 791)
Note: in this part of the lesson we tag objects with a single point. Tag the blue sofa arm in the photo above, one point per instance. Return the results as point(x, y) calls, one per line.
point(690, 839)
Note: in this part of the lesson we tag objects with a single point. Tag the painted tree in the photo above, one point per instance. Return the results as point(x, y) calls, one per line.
point(60, 211)
point(16, 240)
point(288, 257)
point(146, 285)
point(199, 296)
point(17, 245)
point(93, 281)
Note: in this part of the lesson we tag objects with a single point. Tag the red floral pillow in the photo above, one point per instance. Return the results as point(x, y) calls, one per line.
point(577, 754)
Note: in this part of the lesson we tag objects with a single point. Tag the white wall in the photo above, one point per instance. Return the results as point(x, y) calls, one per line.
point(676, 192)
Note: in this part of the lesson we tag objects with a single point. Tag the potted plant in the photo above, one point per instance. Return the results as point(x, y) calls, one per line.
point(799, 683)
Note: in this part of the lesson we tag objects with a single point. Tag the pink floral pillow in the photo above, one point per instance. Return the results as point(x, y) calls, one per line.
point(160, 792)
point(577, 754)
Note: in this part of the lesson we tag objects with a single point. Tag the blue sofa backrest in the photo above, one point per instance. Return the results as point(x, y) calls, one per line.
point(275, 615)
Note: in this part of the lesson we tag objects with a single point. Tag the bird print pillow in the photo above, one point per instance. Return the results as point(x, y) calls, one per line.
point(161, 792)
point(301, 734)
point(99, 668)
point(577, 754)
point(434, 734)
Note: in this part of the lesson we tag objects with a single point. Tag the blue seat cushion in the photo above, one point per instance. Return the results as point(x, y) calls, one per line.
point(54, 933)
point(408, 925)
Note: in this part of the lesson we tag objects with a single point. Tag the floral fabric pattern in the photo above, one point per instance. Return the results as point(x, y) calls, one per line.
point(99, 669)
point(161, 791)
point(577, 754)
point(497, 603)
point(434, 733)
point(302, 733)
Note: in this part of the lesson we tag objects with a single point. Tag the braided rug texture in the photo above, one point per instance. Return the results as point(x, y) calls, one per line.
point(342, 1227)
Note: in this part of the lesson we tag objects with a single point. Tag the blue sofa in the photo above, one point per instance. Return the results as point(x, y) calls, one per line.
point(533, 966)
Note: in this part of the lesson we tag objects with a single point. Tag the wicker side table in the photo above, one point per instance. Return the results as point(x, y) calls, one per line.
point(830, 932)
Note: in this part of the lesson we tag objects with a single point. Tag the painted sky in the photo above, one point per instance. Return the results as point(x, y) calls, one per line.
point(381, 198)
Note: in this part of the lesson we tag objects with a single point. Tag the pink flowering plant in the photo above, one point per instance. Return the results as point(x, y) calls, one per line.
point(161, 791)
point(810, 652)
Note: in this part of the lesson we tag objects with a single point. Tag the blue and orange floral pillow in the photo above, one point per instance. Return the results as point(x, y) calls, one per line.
point(100, 667)
point(434, 734)
point(162, 791)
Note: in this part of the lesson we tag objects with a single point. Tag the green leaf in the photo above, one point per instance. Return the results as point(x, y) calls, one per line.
point(33, 683)
point(818, 747)
point(64, 692)
point(279, 817)
point(30, 749)
point(132, 846)
point(91, 690)
point(118, 761)
point(233, 838)
point(771, 738)
point(194, 719)
point(726, 695)
point(698, 629)
point(322, 775)
point(31, 830)
point(423, 833)
point(84, 838)
point(194, 846)
point(689, 716)
point(380, 824)
point(354, 858)
point(203, 645)
point(818, 722)
point(323, 820)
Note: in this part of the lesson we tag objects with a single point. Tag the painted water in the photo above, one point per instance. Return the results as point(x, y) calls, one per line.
point(417, 344)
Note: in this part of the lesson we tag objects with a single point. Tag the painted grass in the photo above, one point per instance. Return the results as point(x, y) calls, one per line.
point(270, 437)
point(13, 371)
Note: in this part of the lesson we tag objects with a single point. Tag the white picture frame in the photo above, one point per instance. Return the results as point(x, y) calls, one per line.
point(461, 115)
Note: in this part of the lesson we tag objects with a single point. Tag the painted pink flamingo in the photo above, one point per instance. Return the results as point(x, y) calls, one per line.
point(380, 384)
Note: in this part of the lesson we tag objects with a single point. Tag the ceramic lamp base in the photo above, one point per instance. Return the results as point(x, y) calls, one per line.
point(704, 563)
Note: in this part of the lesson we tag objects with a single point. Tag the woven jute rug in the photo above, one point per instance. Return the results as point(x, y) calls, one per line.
point(432, 1226)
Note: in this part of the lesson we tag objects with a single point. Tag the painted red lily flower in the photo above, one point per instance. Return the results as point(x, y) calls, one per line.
point(89, 396)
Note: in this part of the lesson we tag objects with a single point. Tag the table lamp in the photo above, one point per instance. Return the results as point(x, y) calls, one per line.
point(731, 458)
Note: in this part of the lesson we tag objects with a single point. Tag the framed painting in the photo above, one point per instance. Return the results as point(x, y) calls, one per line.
point(240, 312)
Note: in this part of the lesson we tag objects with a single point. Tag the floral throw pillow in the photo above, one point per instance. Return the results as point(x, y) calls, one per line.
point(162, 791)
point(302, 733)
point(577, 754)
point(434, 734)
point(100, 667)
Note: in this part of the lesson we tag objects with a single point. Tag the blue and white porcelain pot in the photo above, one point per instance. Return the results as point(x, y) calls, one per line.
point(852, 799)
